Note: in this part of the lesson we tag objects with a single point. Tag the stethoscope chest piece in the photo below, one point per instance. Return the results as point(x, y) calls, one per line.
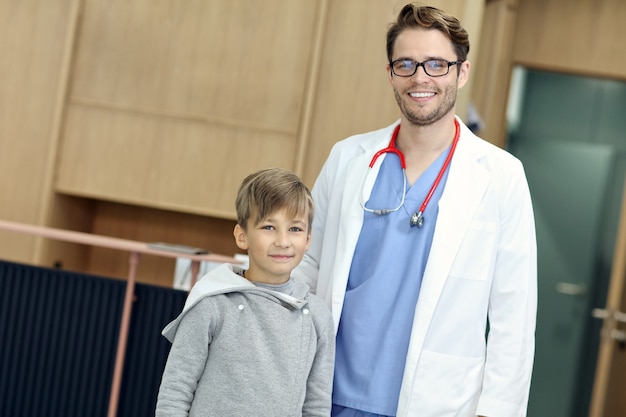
point(417, 219)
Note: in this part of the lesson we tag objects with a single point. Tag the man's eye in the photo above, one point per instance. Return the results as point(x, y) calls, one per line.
point(436, 64)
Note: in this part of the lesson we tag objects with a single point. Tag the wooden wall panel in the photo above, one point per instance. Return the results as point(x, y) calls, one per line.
point(150, 225)
point(237, 61)
point(173, 102)
point(33, 37)
point(163, 163)
point(578, 36)
point(492, 68)
point(353, 94)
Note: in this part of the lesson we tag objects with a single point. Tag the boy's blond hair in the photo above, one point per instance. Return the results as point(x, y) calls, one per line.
point(268, 190)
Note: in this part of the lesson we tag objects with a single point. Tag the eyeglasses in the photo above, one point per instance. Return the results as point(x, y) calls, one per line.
point(432, 67)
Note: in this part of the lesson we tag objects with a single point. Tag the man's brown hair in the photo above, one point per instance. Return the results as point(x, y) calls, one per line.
point(414, 16)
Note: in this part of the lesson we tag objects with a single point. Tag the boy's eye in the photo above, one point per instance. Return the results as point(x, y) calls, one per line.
point(267, 227)
point(296, 229)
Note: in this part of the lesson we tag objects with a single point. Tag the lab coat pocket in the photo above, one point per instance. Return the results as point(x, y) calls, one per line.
point(447, 385)
point(476, 255)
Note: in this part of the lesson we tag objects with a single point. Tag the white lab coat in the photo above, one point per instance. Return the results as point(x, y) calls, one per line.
point(482, 263)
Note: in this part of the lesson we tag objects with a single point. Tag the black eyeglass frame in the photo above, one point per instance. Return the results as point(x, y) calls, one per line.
point(422, 64)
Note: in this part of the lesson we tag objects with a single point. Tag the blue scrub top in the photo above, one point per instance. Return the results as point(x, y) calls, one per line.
point(382, 291)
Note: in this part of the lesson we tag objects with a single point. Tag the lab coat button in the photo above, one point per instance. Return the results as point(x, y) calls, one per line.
point(240, 306)
point(305, 311)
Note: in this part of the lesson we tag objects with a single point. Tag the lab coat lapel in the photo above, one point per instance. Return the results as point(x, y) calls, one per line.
point(352, 213)
point(465, 187)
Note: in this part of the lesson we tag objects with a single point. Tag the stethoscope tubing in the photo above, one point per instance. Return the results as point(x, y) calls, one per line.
point(417, 219)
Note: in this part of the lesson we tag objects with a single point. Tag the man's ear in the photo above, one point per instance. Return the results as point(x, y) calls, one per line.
point(389, 75)
point(464, 70)
point(241, 239)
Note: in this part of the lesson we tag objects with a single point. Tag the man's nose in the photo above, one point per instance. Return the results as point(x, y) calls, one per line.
point(420, 73)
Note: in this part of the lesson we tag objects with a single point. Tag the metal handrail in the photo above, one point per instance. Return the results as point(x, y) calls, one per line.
point(135, 248)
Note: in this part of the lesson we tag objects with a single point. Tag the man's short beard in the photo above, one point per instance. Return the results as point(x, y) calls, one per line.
point(432, 117)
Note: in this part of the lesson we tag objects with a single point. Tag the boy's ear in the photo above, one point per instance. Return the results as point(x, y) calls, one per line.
point(241, 239)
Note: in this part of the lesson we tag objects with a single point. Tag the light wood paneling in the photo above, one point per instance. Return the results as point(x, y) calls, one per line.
point(353, 93)
point(608, 391)
point(492, 68)
point(68, 213)
point(579, 36)
point(163, 163)
point(150, 225)
point(173, 103)
point(237, 61)
point(33, 36)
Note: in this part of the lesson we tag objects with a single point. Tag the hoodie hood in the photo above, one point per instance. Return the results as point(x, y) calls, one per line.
point(226, 279)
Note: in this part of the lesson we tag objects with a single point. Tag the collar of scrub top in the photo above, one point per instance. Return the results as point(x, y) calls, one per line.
point(417, 218)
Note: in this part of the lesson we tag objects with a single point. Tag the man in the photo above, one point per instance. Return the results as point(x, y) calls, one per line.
point(423, 244)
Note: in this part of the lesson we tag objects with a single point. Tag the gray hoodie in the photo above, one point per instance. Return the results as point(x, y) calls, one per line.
point(243, 350)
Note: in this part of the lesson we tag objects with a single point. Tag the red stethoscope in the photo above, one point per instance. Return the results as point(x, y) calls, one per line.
point(417, 218)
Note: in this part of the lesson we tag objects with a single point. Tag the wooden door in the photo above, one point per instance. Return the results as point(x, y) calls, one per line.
point(608, 398)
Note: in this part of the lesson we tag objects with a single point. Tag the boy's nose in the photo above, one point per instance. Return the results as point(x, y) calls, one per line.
point(282, 239)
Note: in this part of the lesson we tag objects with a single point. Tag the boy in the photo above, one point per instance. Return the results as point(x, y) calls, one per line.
point(254, 342)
